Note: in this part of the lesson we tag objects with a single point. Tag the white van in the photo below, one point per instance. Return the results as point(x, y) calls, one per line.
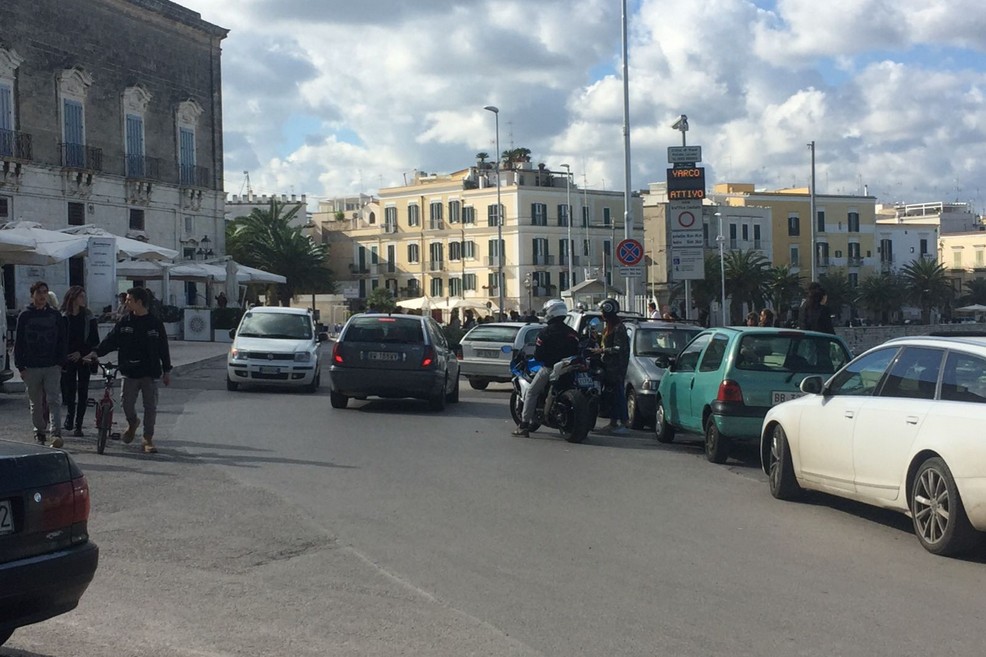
point(275, 346)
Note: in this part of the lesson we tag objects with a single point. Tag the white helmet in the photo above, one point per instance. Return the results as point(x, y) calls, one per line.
point(554, 308)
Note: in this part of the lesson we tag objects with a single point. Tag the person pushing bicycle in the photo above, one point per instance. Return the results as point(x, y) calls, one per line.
point(144, 357)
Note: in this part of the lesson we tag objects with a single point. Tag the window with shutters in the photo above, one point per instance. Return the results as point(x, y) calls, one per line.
point(469, 215)
point(469, 250)
point(454, 212)
point(436, 287)
point(75, 134)
point(435, 216)
point(186, 155)
point(413, 253)
point(4, 208)
point(135, 146)
point(469, 281)
point(413, 215)
point(136, 219)
point(6, 118)
point(539, 214)
point(76, 214)
point(562, 215)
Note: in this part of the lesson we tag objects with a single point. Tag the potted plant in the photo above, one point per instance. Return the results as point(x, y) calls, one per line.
point(172, 316)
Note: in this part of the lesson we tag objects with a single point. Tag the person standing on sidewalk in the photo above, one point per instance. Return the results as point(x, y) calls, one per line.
point(615, 348)
point(39, 352)
point(144, 357)
point(82, 333)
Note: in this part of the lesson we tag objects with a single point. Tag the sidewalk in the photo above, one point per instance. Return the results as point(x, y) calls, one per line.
point(184, 354)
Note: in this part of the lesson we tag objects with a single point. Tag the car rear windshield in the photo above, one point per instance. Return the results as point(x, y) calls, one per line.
point(503, 334)
point(792, 352)
point(276, 325)
point(398, 330)
point(661, 341)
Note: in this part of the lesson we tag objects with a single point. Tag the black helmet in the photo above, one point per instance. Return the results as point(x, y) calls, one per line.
point(609, 307)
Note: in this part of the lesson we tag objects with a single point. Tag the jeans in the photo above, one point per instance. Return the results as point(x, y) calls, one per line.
point(44, 384)
point(618, 410)
point(75, 392)
point(538, 385)
point(146, 387)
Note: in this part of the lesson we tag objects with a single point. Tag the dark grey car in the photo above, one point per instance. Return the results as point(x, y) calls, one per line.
point(648, 340)
point(393, 356)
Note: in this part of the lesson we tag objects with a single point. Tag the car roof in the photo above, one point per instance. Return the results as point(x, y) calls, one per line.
point(661, 324)
point(770, 330)
point(386, 315)
point(977, 342)
point(286, 310)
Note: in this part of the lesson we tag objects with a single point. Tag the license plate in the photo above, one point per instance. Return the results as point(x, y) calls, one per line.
point(6, 517)
point(781, 396)
point(270, 370)
point(584, 380)
point(487, 353)
point(382, 355)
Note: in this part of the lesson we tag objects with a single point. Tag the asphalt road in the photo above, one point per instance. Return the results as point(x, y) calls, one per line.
point(272, 524)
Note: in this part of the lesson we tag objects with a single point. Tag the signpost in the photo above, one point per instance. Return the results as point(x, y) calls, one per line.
point(630, 253)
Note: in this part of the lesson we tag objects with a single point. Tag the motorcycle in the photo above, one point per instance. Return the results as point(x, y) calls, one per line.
point(570, 401)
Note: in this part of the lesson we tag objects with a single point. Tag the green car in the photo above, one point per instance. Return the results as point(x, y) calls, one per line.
point(726, 379)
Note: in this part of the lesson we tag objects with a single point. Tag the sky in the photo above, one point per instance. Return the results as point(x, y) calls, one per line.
point(334, 97)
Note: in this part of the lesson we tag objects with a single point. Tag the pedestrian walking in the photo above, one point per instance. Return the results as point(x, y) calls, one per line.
point(144, 357)
point(39, 352)
point(81, 336)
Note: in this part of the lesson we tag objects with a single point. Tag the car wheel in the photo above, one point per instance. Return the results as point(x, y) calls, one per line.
point(453, 397)
point(478, 384)
point(716, 444)
point(338, 400)
point(633, 410)
point(437, 401)
point(780, 469)
point(663, 431)
point(231, 385)
point(940, 521)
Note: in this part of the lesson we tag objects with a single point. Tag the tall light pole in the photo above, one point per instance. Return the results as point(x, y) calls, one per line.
point(722, 267)
point(568, 212)
point(499, 208)
point(811, 205)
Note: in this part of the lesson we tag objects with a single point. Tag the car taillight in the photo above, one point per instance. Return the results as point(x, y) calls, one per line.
point(65, 506)
point(729, 391)
point(336, 356)
point(428, 358)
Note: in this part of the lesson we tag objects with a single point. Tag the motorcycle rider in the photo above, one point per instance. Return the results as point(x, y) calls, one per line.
point(555, 341)
point(615, 349)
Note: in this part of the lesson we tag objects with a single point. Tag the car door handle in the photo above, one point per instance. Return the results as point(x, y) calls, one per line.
point(911, 419)
point(850, 415)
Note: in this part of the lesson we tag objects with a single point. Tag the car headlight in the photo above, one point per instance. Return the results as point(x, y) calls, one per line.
point(302, 357)
point(650, 384)
point(236, 354)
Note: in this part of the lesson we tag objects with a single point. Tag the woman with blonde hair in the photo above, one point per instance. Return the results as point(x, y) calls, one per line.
point(83, 336)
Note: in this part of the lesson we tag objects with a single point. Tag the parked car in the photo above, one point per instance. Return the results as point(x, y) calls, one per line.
point(899, 427)
point(393, 356)
point(276, 346)
point(486, 350)
point(591, 321)
point(650, 340)
point(725, 380)
point(46, 557)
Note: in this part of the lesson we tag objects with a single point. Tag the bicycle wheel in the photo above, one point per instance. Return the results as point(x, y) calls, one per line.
point(104, 433)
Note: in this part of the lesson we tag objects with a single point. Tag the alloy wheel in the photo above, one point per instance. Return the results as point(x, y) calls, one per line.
point(932, 506)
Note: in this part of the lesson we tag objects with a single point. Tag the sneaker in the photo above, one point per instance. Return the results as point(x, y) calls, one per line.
point(40, 437)
point(78, 432)
point(149, 447)
point(619, 431)
point(56, 442)
point(128, 435)
point(521, 431)
point(68, 424)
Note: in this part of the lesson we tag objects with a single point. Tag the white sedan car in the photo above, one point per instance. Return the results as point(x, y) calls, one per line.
point(900, 427)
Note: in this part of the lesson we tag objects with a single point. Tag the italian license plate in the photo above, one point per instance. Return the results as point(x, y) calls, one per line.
point(487, 353)
point(781, 396)
point(584, 380)
point(270, 370)
point(382, 355)
point(6, 517)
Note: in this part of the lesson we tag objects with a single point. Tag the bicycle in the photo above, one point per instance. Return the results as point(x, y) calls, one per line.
point(104, 407)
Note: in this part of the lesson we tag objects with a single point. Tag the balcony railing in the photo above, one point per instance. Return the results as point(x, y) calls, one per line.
point(855, 261)
point(142, 167)
point(390, 228)
point(492, 291)
point(15, 145)
point(436, 265)
point(80, 156)
point(492, 261)
point(822, 261)
point(541, 291)
point(543, 259)
point(436, 224)
point(190, 175)
point(356, 269)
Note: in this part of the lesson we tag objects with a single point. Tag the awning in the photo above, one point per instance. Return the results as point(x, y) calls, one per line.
point(125, 246)
point(27, 243)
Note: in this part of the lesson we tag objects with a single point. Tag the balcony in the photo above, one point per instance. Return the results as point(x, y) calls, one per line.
point(190, 175)
point(80, 156)
point(15, 145)
point(543, 259)
point(436, 265)
point(436, 224)
point(356, 269)
point(492, 290)
point(140, 167)
point(390, 228)
point(541, 291)
point(492, 261)
point(822, 261)
point(855, 261)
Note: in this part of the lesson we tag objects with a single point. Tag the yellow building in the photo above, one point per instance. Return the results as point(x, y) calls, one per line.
point(437, 236)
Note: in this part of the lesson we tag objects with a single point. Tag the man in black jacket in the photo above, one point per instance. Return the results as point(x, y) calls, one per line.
point(144, 357)
point(39, 352)
point(556, 341)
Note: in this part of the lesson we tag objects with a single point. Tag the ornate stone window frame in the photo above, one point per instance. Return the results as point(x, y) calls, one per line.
point(10, 61)
point(135, 100)
point(187, 117)
point(73, 84)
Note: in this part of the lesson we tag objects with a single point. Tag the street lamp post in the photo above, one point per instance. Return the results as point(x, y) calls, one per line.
point(527, 284)
point(721, 239)
point(499, 208)
point(568, 212)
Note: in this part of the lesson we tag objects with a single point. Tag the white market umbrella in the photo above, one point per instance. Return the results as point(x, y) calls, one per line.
point(974, 308)
point(459, 302)
point(27, 243)
point(246, 274)
point(418, 303)
point(125, 246)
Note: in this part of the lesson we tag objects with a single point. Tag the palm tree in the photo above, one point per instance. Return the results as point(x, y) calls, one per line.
point(975, 292)
point(747, 276)
point(481, 158)
point(265, 239)
point(927, 285)
point(783, 290)
point(882, 295)
point(840, 292)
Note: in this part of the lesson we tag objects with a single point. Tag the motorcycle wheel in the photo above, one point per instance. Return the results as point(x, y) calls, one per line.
point(517, 411)
point(575, 426)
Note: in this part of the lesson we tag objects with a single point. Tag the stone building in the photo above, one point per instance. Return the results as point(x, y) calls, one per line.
point(111, 114)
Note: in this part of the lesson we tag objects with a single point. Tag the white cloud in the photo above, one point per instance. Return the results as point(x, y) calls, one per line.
point(333, 98)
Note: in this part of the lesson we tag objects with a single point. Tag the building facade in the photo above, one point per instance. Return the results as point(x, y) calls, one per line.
point(111, 114)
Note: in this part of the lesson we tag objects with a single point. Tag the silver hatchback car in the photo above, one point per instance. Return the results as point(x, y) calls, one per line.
point(648, 341)
point(487, 350)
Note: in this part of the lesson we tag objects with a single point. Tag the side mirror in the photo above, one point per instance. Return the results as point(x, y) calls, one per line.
point(811, 385)
point(322, 337)
point(667, 362)
point(232, 333)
